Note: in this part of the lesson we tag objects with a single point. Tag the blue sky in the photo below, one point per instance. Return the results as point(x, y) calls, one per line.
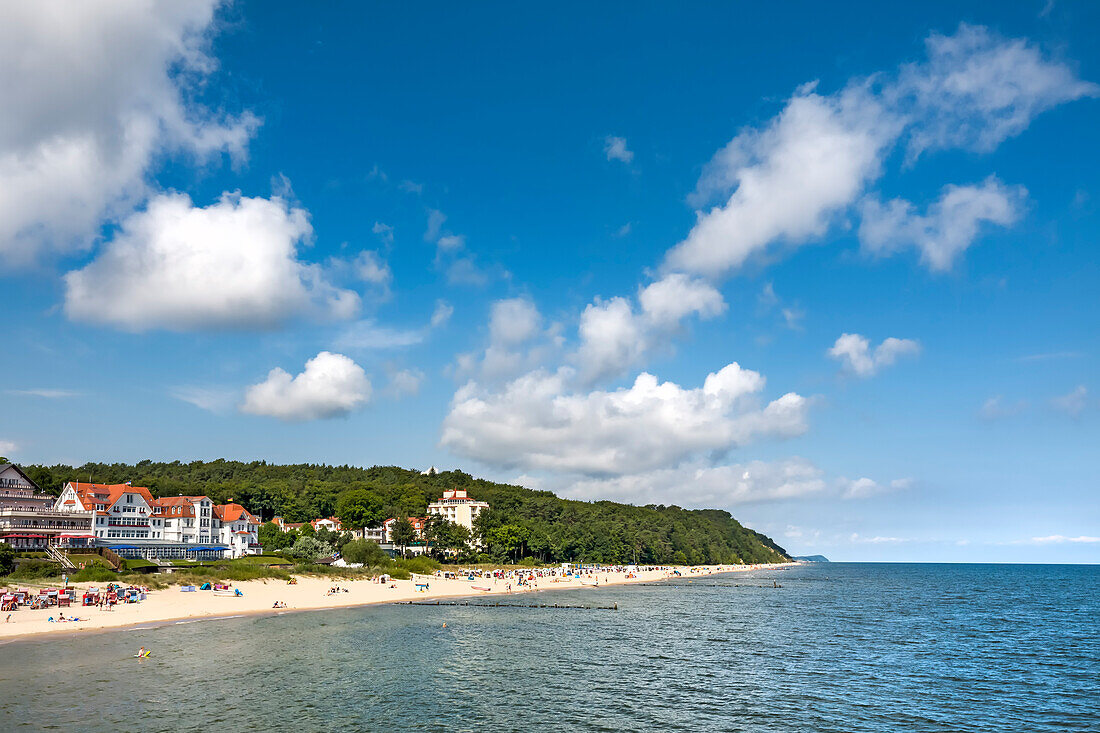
point(831, 269)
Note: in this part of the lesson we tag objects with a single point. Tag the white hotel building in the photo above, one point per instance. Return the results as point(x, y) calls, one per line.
point(129, 521)
point(457, 506)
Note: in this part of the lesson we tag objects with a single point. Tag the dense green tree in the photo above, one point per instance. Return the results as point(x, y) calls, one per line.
point(326, 535)
point(509, 539)
point(403, 534)
point(359, 508)
point(268, 534)
point(310, 548)
point(364, 552)
point(307, 530)
point(559, 529)
point(446, 535)
point(7, 558)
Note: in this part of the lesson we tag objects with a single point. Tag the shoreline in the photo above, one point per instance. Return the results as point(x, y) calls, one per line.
point(171, 606)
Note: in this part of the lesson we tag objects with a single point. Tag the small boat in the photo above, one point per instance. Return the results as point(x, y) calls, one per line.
point(480, 587)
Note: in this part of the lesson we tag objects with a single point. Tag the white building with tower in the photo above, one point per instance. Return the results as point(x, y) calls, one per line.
point(457, 506)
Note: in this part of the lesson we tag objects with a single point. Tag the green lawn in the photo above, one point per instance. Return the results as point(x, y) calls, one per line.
point(137, 562)
point(247, 560)
point(268, 560)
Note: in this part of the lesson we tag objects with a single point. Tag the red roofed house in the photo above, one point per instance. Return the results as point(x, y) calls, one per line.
point(286, 526)
point(188, 519)
point(239, 529)
point(123, 514)
point(331, 523)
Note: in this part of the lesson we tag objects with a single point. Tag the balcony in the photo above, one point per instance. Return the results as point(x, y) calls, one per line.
point(48, 511)
point(36, 510)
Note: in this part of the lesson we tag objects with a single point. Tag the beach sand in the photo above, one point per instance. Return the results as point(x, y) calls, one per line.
point(310, 593)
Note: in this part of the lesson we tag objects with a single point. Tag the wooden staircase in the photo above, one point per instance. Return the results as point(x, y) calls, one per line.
point(60, 557)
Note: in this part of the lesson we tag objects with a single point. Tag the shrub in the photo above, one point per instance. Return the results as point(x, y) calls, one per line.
point(32, 569)
point(7, 558)
point(309, 548)
point(95, 574)
point(420, 564)
point(365, 552)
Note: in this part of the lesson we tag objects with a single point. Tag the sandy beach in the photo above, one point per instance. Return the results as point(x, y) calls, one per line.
point(309, 594)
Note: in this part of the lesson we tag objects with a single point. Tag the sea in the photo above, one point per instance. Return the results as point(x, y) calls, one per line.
point(817, 647)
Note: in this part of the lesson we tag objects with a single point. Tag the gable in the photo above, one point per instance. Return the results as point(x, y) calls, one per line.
point(12, 475)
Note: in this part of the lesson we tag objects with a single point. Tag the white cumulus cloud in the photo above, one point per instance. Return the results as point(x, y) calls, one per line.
point(612, 339)
point(614, 336)
point(669, 300)
point(536, 422)
point(855, 353)
point(787, 180)
point(371, 268)
point(232, 264)
point(948, 228)
point(331, 385)
point(782, 184)
point(977, 89)
point(513, 321)
point(93, 93)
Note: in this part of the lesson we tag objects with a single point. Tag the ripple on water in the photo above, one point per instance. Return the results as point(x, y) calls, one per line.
point(839, 647)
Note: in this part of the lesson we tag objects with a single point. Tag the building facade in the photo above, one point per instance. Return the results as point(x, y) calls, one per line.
point(456, 506)
point(330, 523)
point(240, 529)
point(129, 521)
point(28, 519)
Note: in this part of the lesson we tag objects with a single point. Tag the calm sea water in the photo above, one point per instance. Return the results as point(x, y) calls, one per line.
point(839, 647)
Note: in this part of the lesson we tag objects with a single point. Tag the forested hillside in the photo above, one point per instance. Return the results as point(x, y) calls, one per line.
point(553, 529)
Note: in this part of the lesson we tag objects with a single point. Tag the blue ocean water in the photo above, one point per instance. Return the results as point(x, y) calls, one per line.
point(838, 647)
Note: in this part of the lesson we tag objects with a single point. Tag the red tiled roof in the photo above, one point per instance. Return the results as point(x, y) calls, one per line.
point(92, 494)
point(186, 505)
point(233, 512)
